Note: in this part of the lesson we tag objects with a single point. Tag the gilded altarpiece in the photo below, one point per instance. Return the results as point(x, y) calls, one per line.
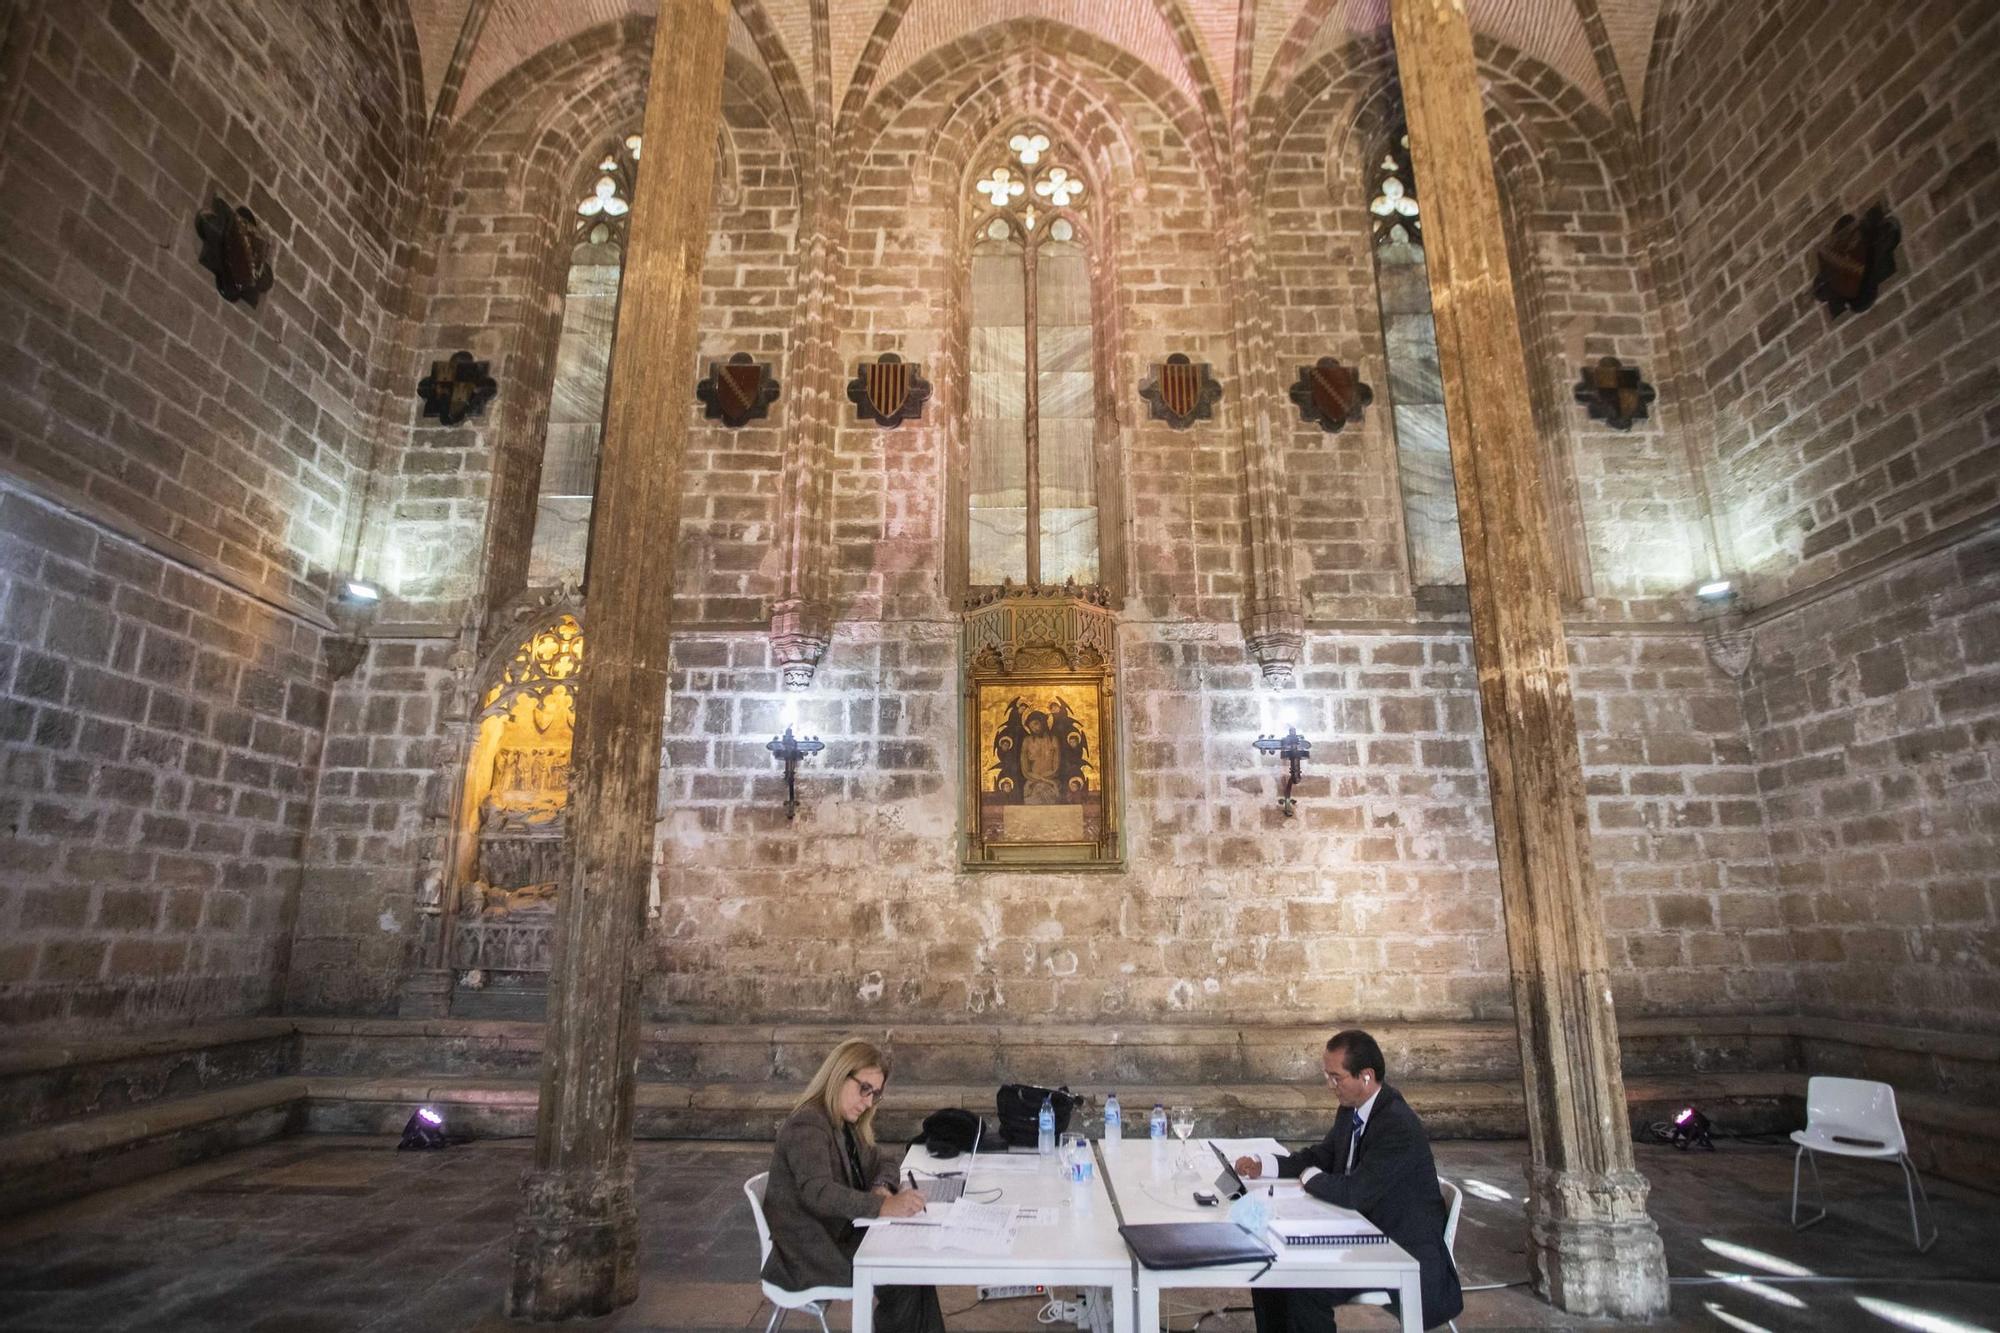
point(514, 812)
point(1041, 694)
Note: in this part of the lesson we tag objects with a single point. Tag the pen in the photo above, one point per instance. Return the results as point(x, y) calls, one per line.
point(912, 1178)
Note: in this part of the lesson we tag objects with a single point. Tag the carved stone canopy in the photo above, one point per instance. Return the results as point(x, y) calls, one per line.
point(1036, 626)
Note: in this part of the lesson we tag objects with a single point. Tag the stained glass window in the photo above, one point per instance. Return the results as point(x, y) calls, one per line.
point(583, 367)
point(1033, 511)
point(1416, 390)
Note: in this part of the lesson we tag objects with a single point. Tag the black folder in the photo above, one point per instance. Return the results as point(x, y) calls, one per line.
point(1174, 1245)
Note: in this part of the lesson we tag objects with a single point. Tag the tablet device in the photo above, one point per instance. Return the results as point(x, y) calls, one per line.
point(1229, 1185)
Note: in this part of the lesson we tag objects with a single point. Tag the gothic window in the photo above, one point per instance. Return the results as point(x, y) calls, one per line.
point(1416, 390)
point(583, 365)
point(1032, 413)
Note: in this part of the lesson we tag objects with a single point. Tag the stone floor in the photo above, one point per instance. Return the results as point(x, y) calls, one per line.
point(309, 1234)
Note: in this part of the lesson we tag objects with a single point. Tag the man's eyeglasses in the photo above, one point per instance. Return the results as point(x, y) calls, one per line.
point(869, 1092)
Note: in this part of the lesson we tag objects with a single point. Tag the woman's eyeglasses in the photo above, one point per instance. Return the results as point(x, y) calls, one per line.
point(869, 1092)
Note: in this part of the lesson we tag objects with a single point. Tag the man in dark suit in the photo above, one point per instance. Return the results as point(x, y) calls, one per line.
point(1377, 1161)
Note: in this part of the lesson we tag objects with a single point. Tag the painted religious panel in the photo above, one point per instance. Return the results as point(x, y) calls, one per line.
point(1041, 735)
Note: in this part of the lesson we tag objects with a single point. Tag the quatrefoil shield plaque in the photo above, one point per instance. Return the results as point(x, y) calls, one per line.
point(1330, 395)
point(1182, 391)
point(236, 249)
point(1614, 393)
point(889, 390)
point(738, 390)
point(456, 389)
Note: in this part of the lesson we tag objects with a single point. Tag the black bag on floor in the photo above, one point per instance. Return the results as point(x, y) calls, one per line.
point(1020, 1107)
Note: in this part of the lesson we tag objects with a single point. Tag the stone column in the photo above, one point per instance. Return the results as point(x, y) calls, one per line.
point(576, 1244)
point(1592, 1249)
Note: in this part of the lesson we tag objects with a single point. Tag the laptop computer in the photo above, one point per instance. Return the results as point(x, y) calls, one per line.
point(946, 1189)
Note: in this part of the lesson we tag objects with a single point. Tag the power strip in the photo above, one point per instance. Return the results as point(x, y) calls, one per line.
point(1009, 1293)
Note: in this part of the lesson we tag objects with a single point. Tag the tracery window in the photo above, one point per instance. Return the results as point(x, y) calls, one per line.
point(583, 367)
point(1416, 389)
point(1032, 495)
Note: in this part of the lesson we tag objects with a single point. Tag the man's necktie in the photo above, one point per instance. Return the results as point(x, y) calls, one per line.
point(1354, 1143)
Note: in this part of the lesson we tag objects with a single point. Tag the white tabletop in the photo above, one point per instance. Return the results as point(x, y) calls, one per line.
point(1084, 1235)
point(1151, 1188)
point(1081, 1247)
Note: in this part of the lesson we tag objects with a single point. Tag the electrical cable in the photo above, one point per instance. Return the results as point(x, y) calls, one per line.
point(1776, 1279)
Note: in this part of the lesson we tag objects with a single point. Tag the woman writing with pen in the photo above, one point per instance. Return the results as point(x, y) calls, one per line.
point(826, 1171)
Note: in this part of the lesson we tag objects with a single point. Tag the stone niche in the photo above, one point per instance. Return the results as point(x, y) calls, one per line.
point(1041, 729)
point(513, 812)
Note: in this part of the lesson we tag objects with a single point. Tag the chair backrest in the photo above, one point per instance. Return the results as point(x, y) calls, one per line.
point(1453, 1198)
point(753, 1189)
point(1861, 1106)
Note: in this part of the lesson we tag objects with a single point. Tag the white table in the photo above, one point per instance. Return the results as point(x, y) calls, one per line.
point(1083, 1248)
point(1148, 1191)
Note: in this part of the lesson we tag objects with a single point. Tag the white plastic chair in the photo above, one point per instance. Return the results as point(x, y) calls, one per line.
point(1453, 1198)
point(784, 1301)
point(1856, 1117)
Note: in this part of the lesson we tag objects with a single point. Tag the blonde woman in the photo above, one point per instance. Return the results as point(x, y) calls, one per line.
point(826, 1171)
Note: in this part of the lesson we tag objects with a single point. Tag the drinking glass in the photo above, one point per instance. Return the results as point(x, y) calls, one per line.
point(1181, 1118)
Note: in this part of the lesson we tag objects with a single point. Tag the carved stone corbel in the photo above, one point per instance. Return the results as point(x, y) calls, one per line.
point(1275, 636)
point(799, 635)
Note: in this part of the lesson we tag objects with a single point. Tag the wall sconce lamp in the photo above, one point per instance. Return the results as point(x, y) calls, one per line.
point(788, 750)
point(1294, 750)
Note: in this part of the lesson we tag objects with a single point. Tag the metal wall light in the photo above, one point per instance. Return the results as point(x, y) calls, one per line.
point(1293, 749)
point(789, 750)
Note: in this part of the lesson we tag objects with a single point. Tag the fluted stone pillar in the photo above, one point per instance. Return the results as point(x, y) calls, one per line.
point(576, 1244)
point(1592, 1248)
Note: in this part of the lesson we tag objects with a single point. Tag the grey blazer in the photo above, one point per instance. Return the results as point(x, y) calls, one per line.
point(811, 1204)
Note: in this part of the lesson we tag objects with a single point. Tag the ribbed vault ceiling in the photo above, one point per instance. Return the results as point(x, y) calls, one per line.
point(1192, 43)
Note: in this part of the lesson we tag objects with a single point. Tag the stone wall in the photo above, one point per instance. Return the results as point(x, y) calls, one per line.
point(1379, 900)
point(178, 480)
point(1855, 466)
point(158, 733)
point(1875, 716)
point(1837, 440)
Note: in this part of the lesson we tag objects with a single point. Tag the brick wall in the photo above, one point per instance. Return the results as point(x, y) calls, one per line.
point(235, 432)
point(158, 731)
point(521, 161)
point(1378, 900)
point(1621, 501)
point(178, 478)
point(384, 781)
point(1837, 440)
point(1875, 715)
point(1844, 449)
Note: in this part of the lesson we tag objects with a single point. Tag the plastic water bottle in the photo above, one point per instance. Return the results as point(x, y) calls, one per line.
point(1045, 1136)
point(1159, 1123)
point(1114, 1120)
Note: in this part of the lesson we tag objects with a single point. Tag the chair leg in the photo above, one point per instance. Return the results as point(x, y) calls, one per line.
point(1819, 1187)
point(819, 1308)
point(777, 1317)
point(1913, 1186)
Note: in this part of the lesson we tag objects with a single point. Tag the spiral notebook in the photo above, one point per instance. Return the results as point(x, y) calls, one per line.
point(1310, 1222)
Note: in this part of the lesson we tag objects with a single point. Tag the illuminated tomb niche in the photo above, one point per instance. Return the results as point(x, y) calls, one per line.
point(516, 799)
